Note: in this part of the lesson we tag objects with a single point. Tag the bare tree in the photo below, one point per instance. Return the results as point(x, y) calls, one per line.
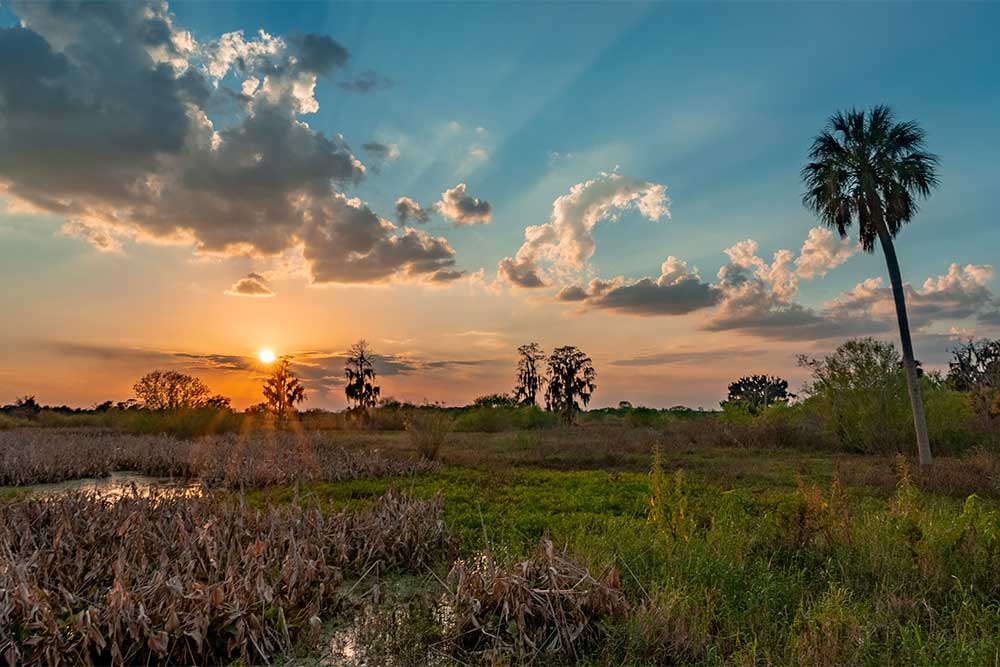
point(282, 390)
point(360, 370)
point(570, 376)
point(529, 379)
point(171, 390)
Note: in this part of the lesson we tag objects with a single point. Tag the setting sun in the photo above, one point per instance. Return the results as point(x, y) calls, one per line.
point(265, 355)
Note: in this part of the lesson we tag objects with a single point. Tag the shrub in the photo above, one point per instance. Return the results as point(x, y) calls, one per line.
point(428, 430)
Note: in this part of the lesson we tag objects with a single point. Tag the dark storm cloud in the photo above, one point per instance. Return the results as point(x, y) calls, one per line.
point(103, 121)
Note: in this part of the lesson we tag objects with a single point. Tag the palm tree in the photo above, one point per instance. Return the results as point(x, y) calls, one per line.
point(866, 167)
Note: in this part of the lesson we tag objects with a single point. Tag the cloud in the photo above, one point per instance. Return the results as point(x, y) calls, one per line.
point(821, 252)
point(253, 285)
point(680, 357)
point(381, 151)
point(106, 123)
point(566, 241)
point(676, 291)
point(366, 82)
point(964, 291)
point(408, 210)
point(462, 208)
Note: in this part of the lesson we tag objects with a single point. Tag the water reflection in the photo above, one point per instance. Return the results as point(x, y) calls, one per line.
point(118, 484)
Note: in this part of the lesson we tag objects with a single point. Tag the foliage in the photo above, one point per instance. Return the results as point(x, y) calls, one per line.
point(758, 392)
point(868, 168)
point(282, 390)
point(859, 392)
point(493, 401)
point(172, 390)
point(360, 371)
point(570, 376)
point(529, 379)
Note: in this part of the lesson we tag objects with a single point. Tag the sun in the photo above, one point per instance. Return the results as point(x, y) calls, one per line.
point(266, 355)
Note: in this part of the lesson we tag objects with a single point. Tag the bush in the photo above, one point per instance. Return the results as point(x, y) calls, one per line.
point(428, 430)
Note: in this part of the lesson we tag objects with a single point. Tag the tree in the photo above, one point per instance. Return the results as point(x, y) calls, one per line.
point(570, 376)
point(360, 370)
point(757, 392)
point(495, 401)
point(282, 390)
point(529, 380)
point(975, 368)
point(869, 169)
point(859, 390)
point(171, 390)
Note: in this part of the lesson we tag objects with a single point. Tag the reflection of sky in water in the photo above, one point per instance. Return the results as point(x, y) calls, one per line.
point(118, 484)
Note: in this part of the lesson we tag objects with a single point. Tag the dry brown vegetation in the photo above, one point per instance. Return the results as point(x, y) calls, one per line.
point(86, 579)
point(36, 456)
point(546, 605)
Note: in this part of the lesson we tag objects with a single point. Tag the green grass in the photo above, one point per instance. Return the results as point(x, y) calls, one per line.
point(761, 571)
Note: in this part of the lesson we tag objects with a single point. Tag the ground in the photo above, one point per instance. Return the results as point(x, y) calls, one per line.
point(725, 555)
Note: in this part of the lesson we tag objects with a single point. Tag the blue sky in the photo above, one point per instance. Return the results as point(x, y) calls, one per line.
point(521, 102)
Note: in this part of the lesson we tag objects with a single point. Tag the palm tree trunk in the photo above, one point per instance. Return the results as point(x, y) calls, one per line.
point(909, 364)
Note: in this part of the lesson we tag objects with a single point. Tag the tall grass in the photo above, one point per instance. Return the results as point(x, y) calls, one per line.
point(89, 580)
point(34, 456)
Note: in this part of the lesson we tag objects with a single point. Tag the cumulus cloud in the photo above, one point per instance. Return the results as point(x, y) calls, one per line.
point(676, 291)
point(821, 252)
point(566, 242)
point(105, 122)
point(962, 292)
point(462, 208)
point(253, 285)
point(407, 210)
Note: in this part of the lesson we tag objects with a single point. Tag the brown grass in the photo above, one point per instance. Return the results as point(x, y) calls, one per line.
point(36, 456)
point(548, 605)
point(188, 580)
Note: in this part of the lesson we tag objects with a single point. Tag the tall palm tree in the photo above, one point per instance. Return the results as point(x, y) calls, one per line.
point(866, 167)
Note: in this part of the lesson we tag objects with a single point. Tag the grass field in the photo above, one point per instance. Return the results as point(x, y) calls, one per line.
point(721, 555)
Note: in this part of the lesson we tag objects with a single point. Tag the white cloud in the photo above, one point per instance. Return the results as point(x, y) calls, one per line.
point(566, 242)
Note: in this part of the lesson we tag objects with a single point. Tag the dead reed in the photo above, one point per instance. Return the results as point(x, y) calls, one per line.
point(86, 579)
point(546, 605)
point(36, 456)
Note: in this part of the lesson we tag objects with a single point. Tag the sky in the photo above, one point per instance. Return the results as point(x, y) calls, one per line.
point(185, 184)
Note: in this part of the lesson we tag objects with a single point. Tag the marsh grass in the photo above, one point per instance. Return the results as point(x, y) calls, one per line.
point(37, 456)
point(86, 579)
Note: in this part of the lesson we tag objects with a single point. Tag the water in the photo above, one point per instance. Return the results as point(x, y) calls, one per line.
point(117, 484)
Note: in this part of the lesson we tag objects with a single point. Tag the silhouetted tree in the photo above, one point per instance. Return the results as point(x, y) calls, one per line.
point(170, 390)
point(25, 407)
point(495, 401)
point(282, 390)
point(975, 365)
point(570, 376)
point(529, 380)
point(975, 368)
point(360, 370)
point(757, 392)
point(867, 168)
